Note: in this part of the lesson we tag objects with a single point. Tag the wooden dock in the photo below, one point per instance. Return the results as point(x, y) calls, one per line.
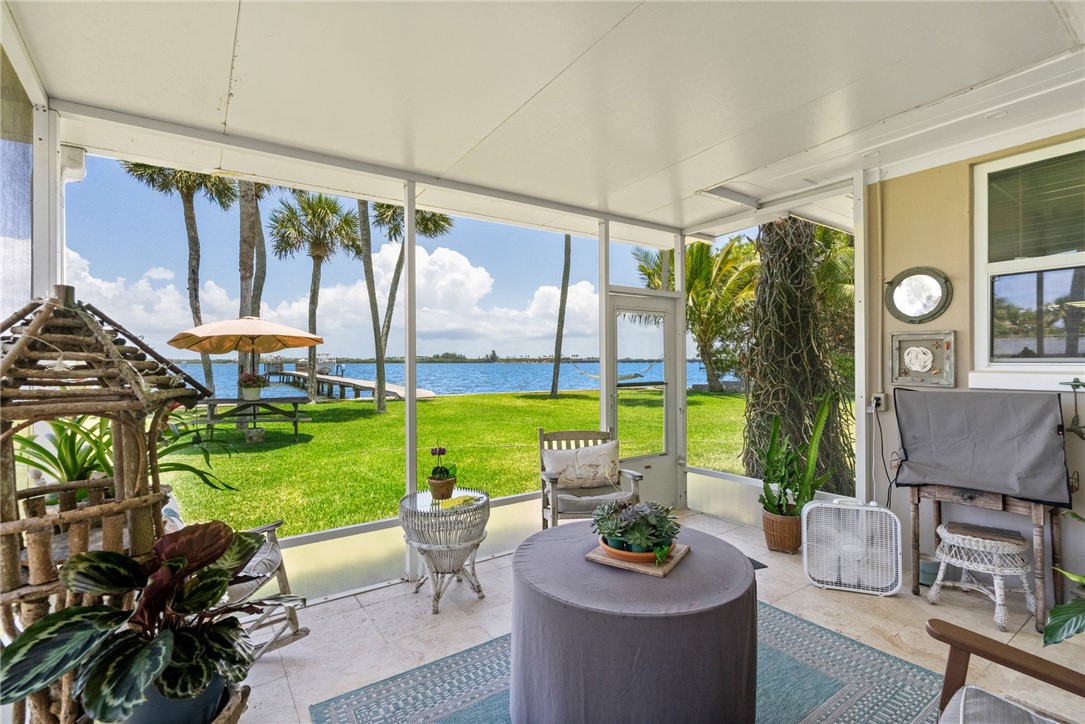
point(326, 386)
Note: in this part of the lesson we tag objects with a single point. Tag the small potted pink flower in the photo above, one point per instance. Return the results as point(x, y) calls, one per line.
point(442, 479)
point(251, 384)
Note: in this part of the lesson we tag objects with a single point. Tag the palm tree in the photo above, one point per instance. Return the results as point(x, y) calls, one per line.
point(389, 217)
point(834, 284)
point(186, 184)
point(319, 226)
point(719, 287)
point(252, 256)
point(561, 315)
point(789, 364)
point(365, 252)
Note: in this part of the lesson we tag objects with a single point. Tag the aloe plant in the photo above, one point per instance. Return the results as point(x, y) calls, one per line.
point(80, 446)
point(789, 478)
point(176, 638)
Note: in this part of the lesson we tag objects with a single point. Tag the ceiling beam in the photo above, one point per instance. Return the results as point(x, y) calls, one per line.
point(281, 151)
point(772, 208)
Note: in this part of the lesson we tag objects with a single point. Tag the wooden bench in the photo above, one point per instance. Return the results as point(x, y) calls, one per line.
point(251, 411)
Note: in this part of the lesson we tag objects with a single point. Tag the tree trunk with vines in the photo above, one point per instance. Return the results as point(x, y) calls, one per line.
point(788, 366)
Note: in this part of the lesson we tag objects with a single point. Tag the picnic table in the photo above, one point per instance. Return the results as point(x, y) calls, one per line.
point(220, 409)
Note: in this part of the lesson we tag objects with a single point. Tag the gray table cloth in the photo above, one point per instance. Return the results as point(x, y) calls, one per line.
point(592, 643)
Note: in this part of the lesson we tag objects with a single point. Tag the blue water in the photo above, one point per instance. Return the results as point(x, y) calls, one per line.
point(458, 378)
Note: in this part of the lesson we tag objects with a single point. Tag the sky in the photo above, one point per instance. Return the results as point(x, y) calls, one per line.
point(484, 287)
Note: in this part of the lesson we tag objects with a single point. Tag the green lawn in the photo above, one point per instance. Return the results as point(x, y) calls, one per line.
point(348, 466)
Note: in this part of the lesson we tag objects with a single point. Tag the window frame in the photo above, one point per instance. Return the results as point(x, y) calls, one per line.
point(1006, 374)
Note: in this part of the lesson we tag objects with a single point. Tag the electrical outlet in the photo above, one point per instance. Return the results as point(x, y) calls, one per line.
point(879, 402)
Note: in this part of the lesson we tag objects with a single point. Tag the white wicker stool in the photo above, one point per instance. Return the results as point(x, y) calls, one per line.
point(983, 550)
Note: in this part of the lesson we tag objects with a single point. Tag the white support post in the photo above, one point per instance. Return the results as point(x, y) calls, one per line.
point(607, 352)
point(681, 444)
point(414, 565)
point(865, 487)
point(47, 242)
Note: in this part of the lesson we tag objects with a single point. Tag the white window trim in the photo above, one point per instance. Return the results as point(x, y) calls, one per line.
point(1010, 375)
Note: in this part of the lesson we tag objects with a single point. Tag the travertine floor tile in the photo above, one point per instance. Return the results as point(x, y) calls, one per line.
point(272, 703)
point(361, 639)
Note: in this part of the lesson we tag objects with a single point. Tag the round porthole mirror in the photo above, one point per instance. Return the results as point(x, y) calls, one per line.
point(918, 295)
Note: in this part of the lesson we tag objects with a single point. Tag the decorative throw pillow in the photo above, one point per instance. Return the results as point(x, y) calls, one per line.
point(586, 467)
point(171, 513)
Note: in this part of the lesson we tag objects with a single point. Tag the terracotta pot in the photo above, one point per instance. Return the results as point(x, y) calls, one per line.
point(441, 489)
point(250, 393)
point(783, 533)
point(629, 556)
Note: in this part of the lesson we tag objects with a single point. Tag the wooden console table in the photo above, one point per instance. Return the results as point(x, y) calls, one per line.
point(249, 411)
point(1037, 512)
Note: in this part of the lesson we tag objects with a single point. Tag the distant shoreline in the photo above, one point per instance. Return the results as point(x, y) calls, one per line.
point(432, 360)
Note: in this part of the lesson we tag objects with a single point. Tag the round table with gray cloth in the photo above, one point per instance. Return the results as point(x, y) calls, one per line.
point(592, 643)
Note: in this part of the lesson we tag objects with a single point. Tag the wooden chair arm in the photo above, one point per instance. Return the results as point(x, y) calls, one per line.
point(548, 477)
point(634, 480)
point(963, 643)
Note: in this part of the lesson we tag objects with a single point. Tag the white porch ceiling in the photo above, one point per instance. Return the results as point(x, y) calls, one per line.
point(621, 108)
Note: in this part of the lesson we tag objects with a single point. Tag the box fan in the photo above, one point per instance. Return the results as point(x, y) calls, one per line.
point(851, 547)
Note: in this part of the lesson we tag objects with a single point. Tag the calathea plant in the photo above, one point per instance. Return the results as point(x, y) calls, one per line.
point(178, 636)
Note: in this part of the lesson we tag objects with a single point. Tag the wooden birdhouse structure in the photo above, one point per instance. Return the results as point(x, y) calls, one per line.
point(63, 359)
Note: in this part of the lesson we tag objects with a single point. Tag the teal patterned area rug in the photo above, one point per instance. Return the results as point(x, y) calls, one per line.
point(805, 673)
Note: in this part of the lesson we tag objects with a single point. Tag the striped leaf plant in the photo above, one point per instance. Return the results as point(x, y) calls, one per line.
point(178, 636)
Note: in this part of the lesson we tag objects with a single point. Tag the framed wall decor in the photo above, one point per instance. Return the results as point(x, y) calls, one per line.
point(924, 358)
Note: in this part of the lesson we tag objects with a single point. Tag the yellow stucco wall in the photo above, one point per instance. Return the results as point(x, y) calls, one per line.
point(925, 219)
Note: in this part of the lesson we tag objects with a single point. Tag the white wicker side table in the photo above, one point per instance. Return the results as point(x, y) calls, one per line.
point(446, 538)
point(978, 549)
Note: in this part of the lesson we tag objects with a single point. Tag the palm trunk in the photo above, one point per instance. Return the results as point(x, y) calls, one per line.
point(314, 299)
point(194, 280)
point(245, 252)
point(561, 315)
point(365, 243)
point(392, 290)
point(714, 383)
point(259, 272)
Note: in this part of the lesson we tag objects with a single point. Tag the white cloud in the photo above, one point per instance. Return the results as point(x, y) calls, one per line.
point(452, 314)
point(151, 307)
point(157, 272)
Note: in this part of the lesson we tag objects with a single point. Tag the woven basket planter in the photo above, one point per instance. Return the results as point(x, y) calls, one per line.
point(783, 533)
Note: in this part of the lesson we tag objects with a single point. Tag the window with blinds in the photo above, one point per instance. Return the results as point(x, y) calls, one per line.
point(1037, 209)
point(1030, 262)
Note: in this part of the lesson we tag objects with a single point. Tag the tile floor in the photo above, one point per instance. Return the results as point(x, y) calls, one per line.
point(361, 639)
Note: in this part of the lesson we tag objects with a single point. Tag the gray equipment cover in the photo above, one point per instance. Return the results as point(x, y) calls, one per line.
point(998, 442)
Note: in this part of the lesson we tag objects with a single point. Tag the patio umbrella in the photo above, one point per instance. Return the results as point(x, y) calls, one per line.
point(247, 334)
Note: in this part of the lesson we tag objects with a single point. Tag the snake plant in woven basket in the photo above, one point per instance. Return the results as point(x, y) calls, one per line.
point(177, 637)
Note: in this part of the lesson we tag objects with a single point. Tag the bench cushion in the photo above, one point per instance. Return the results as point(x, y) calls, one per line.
point(261, 566)
point(972, 704)
point(588, 503)
point(586, 467)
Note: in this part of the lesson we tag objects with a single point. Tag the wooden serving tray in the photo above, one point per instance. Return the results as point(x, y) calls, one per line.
point(651, 569)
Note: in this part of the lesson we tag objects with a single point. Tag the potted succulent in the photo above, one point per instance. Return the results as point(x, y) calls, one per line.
point(636, 531)
point(175, 651)
point(442, 479)
point(251, 383)
point(789, 483)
